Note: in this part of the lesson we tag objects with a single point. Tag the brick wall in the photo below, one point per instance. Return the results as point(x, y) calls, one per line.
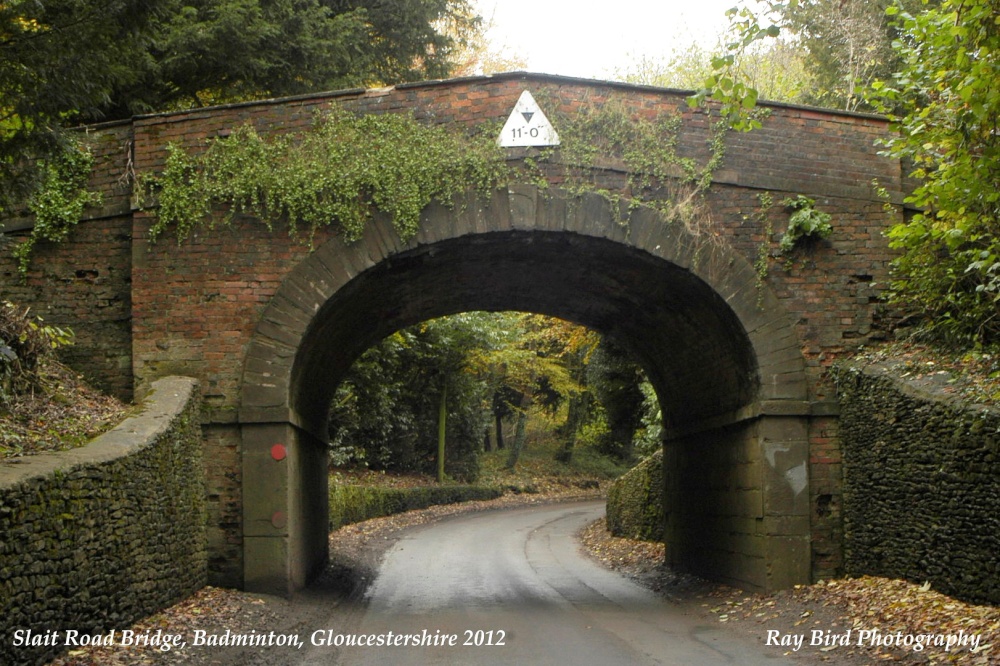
point(219, 280)
point(85, 283)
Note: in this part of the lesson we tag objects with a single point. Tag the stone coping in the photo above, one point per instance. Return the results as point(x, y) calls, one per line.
point(928, 386)
point(167, 398)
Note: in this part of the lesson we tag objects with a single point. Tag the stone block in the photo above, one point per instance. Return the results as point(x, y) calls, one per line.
point(265, 565)
point(788, 562)
point(786, 478)
point(523, 201)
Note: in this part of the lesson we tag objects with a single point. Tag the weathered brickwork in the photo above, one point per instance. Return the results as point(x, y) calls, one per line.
point(86, 283)
point(223, 500)
point(95, 538)
point(194, 308)
point(86, 287)
point(921, 482)
point(826, 501)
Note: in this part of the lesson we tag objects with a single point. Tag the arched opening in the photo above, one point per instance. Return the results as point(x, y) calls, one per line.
point(722, 356)
point(675, 324)
point(473, 397)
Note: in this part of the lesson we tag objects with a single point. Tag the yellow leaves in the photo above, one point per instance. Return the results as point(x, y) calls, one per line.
point(536, 354)
point(27, 24)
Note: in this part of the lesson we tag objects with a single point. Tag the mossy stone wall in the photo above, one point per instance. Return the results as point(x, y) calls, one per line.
point(95, 538)
point(921, 481)
point(635, 501)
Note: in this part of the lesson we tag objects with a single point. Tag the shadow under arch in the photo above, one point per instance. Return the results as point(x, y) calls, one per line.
point(717, 346)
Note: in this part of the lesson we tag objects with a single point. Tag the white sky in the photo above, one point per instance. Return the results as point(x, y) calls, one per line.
point(591, 39)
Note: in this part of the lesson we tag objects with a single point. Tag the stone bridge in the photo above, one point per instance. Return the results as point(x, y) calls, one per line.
point(269, 324)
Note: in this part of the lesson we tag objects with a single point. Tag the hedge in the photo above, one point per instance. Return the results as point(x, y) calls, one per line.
point(353, 504)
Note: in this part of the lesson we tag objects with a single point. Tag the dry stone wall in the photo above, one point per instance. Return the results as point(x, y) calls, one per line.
point(95, 538)
point(635, 501)
point(921, 482)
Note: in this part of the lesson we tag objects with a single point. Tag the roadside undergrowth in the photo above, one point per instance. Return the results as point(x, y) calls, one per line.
point(537, 470)
point(62, 413)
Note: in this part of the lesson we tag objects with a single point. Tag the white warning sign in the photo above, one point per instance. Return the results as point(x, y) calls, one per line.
point(527, 126)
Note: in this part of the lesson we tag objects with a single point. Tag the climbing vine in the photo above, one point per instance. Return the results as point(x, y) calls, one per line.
point(761, 263)
point(346, 166)
point(658, 174)
point(804, 222)
point(59, 201)
point(337, 172)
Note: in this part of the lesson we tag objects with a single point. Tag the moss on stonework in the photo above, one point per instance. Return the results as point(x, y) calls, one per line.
point(635, 502)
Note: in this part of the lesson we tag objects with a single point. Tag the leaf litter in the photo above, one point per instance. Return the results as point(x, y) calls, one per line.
point(866, 602)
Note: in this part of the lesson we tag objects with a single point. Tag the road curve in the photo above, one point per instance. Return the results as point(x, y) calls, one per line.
point(512, 587)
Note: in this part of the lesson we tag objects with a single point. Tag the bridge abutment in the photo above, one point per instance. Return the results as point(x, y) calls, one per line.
point(285, 510)
point(736, 500)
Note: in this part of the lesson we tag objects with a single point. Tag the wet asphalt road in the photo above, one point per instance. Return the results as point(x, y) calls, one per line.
point(512, 587)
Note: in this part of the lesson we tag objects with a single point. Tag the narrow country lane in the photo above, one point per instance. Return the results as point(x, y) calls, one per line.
point(512, 587)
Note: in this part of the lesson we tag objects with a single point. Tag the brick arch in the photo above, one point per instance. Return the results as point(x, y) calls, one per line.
point(718, 346)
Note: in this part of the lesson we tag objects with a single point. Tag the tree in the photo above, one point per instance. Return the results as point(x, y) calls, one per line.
point(475, 53)
point(527, 369)
point(848, 45)
point(842, 45)
point(386, 412)
point(616, 381)
point(453, 373)
point(214, 51)
point(60, 61)
point(940, 86)
point(777, 70)
point(944, 102)
point(65, 62)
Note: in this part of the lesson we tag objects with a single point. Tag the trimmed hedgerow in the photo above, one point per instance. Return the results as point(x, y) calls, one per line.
point(353, 504)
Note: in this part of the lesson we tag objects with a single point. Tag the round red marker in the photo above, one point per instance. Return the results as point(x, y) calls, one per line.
point(279, 452)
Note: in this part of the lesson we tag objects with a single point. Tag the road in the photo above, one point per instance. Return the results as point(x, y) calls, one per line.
point(512, 587)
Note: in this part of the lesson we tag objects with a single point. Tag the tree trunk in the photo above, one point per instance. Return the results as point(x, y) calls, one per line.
point(499, 421)
point(442, 428)
point(520, 432)
point(579, 404)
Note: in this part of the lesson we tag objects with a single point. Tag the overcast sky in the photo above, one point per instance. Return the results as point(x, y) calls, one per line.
point(590, 39)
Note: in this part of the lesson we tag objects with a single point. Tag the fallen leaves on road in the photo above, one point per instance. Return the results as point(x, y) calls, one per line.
point(890, 606)
point(628, 556)
point(838, 605)
point(873, 603)
point(355, 551)
point(210, 609)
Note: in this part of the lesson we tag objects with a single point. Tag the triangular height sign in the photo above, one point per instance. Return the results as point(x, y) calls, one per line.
point(527, 126)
